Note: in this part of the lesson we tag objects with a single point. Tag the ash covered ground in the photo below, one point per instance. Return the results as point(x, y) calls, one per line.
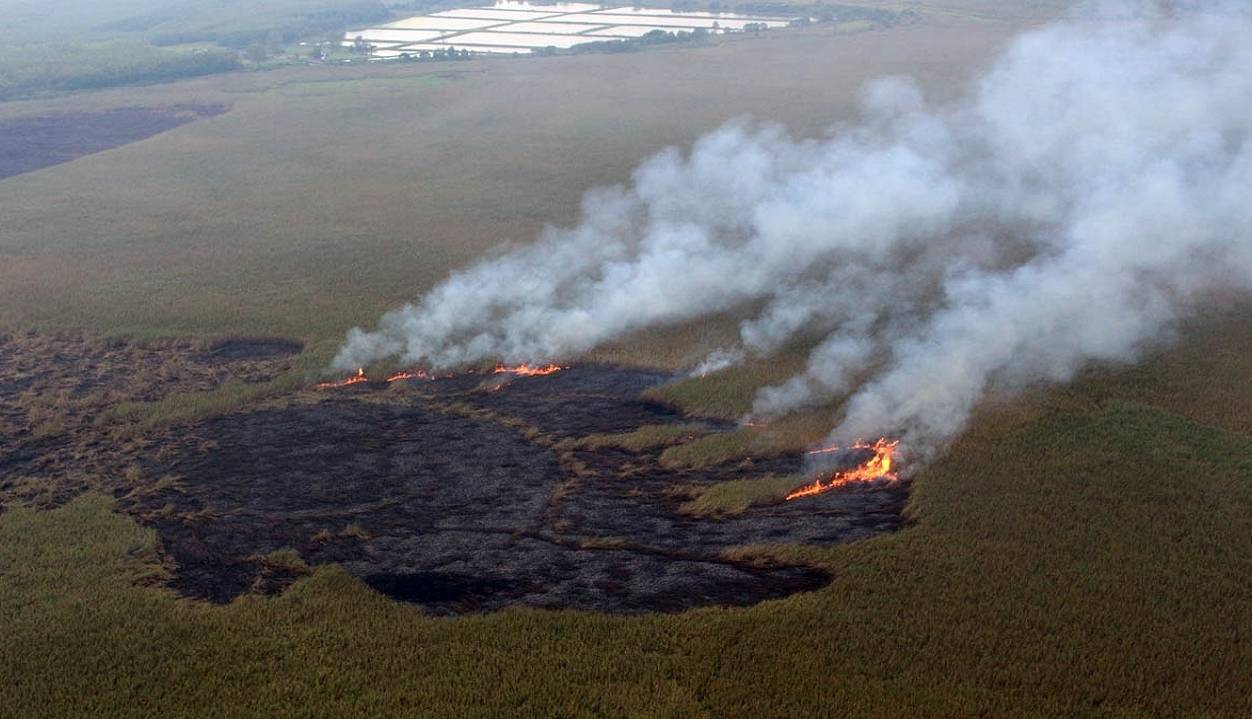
point(462, 494)
point(33, 143)
point(457, 495)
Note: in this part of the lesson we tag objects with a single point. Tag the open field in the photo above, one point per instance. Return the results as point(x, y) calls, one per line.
point(1077, 555)
point(521, 28)
point(188, 527)
point(63, 45)
point(32, 143)
point(327, 195)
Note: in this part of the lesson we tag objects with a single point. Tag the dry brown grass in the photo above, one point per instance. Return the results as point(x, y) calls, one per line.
point(646, 437)
point(383, 179)
point(736, 496)
point(1072, 557)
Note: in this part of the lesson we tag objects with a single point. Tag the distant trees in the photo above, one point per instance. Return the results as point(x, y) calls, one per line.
point(442, 54)
point(50, 68)
point(239, 24)
point(652, 37)
point(257, 52)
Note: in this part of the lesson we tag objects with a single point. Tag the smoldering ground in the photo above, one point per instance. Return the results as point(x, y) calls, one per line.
point(463, 498)
point(465, 493)
point(1085, 195)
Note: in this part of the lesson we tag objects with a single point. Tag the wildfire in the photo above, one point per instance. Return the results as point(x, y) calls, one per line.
point(357, 378)
point(408, 374)
point(525, 370)
point(521, 370)
point(876, 467)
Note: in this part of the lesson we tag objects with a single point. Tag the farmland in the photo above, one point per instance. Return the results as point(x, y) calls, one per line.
point(518, 27)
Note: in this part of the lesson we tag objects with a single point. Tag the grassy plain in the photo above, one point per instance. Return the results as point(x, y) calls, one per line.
point(328, 195)
point(1082, 552)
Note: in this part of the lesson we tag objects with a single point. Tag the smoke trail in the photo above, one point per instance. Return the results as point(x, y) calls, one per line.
point(1092, 187)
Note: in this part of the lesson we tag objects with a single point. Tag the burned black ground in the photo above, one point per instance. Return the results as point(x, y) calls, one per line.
point(251, 349)
point(61, 395)
point(457, 494)
point(33, 143)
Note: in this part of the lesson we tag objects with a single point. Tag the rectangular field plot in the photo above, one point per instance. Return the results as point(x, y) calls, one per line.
point(483, 13)
point(411, 52)
point(430, 22)
point(375, 45)
point(665, 12)
point(554, 7)
point(516, 39)
point(677, 22)
point(384, 37)
point(558, 28)
point(518, 27)
point(432, 47)
point(631, 31)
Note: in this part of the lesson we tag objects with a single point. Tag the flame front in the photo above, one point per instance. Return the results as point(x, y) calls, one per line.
point(875, 468)
point(409, 374)
point(522, 370)
point(525, 370)
point(354, 379)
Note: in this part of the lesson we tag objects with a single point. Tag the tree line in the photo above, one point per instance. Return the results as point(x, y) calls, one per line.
point(35, 69)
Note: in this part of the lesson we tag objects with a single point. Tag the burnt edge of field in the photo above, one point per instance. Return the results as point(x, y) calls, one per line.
point(465, 494)
point(33, 143)
point(459, 495)
point(60, 391)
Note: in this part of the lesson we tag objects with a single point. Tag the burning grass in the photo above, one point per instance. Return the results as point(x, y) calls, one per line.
point(541, 518)
point(876, 467)
point(1050, 557)
point(1062, 531)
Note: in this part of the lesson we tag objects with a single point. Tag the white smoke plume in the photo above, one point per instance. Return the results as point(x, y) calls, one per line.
point(1089, 190)
point(717, 361)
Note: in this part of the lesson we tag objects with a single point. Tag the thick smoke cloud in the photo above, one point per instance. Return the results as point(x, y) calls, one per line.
point(1090, 190)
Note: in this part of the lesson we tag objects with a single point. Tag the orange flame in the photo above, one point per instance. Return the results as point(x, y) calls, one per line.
point(876, 467)
point(525, 370)
point(408, 374)
point(522, 370)
point(354, 379)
